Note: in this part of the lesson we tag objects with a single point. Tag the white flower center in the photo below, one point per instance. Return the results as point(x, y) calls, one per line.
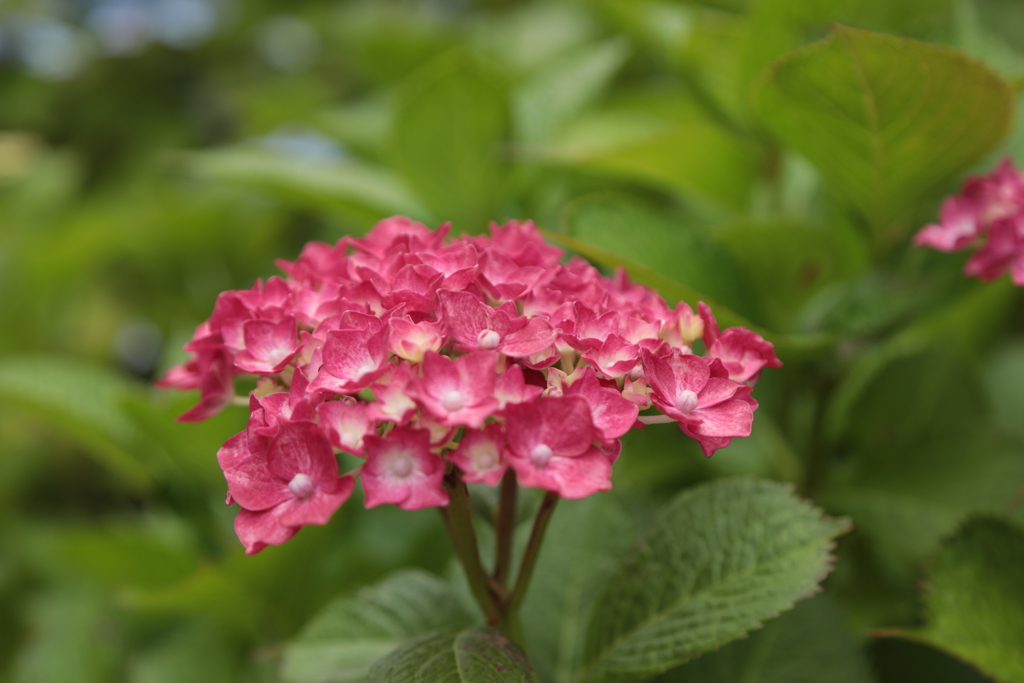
point(401, 466)
point(540, 455)
point(488, 339)
point(301, 486)
point(486, 457)
point(687, 401)
point(453, 401)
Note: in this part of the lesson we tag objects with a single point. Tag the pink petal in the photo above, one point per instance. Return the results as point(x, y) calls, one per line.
point(400, 469)
point(569, 477)
point(257, 530)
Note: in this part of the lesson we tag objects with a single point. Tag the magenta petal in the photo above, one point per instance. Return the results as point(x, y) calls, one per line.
point(319, 506)
point(730, 419)
point(268, 346)
point(465, 315)
point(562, 423)
point(257, 530)
point(481, 455)
point(535, 336)
point(718, 390)
point(400, 469)
point(302, 448)
point(250, 481)
point(575, 477)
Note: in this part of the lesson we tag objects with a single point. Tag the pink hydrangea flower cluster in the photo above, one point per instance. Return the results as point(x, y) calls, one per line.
point(988, 214)
point(419, 354)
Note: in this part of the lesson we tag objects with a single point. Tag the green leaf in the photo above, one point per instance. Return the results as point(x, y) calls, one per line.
point(975, 599)
point(342, 643)
point(695, 158)
point(788, 261)
point(193, 653)
point(641, 234)
point(324, 185)
point(72, 636)
point(886, 120)
point(476, 655)
point(83, 400)
point(561, 90)
point(722, 558)
point(450, 124)
point(809, 644)
point(921, 456)
point(581, 549)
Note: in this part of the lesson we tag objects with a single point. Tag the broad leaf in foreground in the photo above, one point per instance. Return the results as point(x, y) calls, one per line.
point(476, 655)
point(721, 559)
point(809, 644)
point(344, 641)
point(884, 119)
point(975, 599)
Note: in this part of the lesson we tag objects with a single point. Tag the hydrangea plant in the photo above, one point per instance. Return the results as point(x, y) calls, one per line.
point(443, 362)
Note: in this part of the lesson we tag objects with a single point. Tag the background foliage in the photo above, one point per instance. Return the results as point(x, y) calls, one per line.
point(772, 157)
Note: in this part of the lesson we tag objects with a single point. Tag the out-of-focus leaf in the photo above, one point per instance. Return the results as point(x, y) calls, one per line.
point(787, 261)
point(721, 558)
point(450, 123)
point(342, 643)
point(885, 119)
point(149, 554)
point(194, 653)
point(562, 89)
point(363, 126)
point(581, 549)
point(73, 638)
point(476, 655)
point(922, 457)
point(675, 250)
point(525, 37)
point(695, 158)
point(974, 596)
point(327, 185)
point(808, 644)
point(898, 661)
point(1004, 380)
point(966, 323)
point(83, 400)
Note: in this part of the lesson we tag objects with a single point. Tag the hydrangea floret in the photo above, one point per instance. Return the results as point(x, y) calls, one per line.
point(987, 216)
point(438, 362)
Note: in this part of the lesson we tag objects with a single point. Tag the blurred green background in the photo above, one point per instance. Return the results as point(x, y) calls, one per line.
point(156, 152)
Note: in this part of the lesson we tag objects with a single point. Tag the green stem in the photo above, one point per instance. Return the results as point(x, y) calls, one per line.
point(505, 527)
point(510, 618)
point(458, 520)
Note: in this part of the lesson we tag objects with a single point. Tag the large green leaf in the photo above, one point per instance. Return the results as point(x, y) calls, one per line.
point(450, 123)
point(809, 644)
point(922, 456)
point(787, 261)
point(83, 400)
point(690, 156)
point(885, 119)
point(669, 246)
point(476, 655)
point(342, 643)
point(721, 559)
point(324, 185)
point(975, 599)
point(556, 93)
